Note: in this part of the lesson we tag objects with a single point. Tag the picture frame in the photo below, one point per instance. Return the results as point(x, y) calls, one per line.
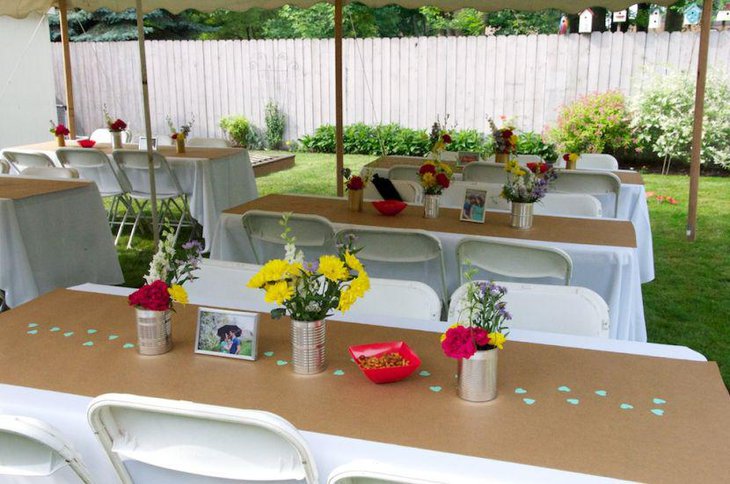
point(143, 143)
point(474, 207)
point(463, 158)
point(226, 333)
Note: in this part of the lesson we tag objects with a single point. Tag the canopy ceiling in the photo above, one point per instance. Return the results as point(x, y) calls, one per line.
point(21, 8)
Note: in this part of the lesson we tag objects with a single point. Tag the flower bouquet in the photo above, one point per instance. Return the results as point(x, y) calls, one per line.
point(439, 138)
point(181, 133)
point(505, 141)
point(570, 160)
point(308, 292)
point(355, 185)
point(474, 341)
point(115, 127)
point(524, 187)
point(435, 176)
point(60, 132)
point(163, 285)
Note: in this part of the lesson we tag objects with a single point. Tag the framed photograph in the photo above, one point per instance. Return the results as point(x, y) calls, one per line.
point(143, 143)
point(466, 157)
point(232, 334)
point(474, 203)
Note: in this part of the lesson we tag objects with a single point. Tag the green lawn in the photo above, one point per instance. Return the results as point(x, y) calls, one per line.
point(687, 304)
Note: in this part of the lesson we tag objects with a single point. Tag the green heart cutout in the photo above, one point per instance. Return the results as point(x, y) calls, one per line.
point(626, 406)
point(281, 362)
point(68, 333)
point(33, 331)
point(657, 411)
point(573, 401)
point(338, 372)
point(268, 353)
point(89, 343)
point(424, 373)
point(564, 389)
point(659, 401)
point(601, 393)
point(127, 345)
point(520, 390)
point(435, 389)
point(91, 331)
point(32, 325)
point(112, 337)
point(528, 401)
point(55, 329)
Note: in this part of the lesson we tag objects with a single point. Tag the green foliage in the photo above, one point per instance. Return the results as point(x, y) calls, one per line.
point(595, 123)
point(321, 141)
point(533, 144)
point(238, 130)
point(275, 122)
point(664, 113)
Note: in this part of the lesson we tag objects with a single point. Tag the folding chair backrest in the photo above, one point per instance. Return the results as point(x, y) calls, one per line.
point(485, 172)
point(314, 235)
point(223, 284)
point(399, 254)
point(553, 309)
point(445, 156)
point(26, 159)
point(404, 172)
point(590, 182)
point(103, 135)
point(396, 299)
point(522, 159)
point(93, 165)
point(211, 442)
point(4, 167)
point(514, 259)
point(208, 142)
point(597, 161)
point(374, 472)
point(135, 165)
point(410, 191)
point(33, 451)
point(569, 204)
point(453, 197)
point(50, 172)
point(164, 140)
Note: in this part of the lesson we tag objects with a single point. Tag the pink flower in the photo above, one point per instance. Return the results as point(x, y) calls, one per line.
point(458, 343)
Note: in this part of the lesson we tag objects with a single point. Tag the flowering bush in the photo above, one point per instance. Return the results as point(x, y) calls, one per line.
point(167, 275)
point(58, 129)
point(184, 129)
point(594, 124)
point(113, 125)
point(483, 329)
point(308, 291)
point(527, 185)
point(505, 139)
point(435, 176)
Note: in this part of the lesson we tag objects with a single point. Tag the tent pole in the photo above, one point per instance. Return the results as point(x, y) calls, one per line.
point(147, 121)
point(694, 170)
point(339, 142)
point(68, 78)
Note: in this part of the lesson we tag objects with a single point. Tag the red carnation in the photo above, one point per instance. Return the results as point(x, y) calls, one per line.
point(442, 180)
point(566, 156)
point(507, 134)
point(427, 168)
point(173, 136)
point(61, 130)
point(481, 337)
point(446, 138)
point(153, 297)
point(118, 125)
point(532, 166)
point(355, 183)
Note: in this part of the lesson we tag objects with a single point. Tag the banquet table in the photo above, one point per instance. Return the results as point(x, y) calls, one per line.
point(603, 251)
point(213, 178)
point(53, 233)
point(631, 419)
point(631, 205)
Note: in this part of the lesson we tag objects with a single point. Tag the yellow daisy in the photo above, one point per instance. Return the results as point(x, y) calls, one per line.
point(278, 292)
point(178, 293)
point(333, 268)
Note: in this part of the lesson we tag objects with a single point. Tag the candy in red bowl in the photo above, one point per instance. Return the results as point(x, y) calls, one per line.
point(86, 143)
point(375, 361)
point(389, 207)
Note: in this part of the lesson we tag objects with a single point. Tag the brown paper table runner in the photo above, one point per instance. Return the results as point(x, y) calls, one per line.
point(688, 443)
point(16, 188)
point(619, 233)
point(627, 177)
point(168, 151)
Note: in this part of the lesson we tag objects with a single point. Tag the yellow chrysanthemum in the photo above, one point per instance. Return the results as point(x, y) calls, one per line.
point(497, 339)
point(347, 299)
point(178, 293)
point(257, 281)
point(333, 268)
point(511, 165)
point(517, 171)
point(429, 162)
point(278, 292)
point(573, 157)
point(428, 180)
point(445, 168)
point(360, 285)
point(296, 269)
point(353, 263)
point(275, 270)
point(513, 139)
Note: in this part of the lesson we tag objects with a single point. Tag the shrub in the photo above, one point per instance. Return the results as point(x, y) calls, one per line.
point(530, 143)
point(321, 141)
point(238, 130)
point(595, 123)
point(275, 122)
point(664, 113)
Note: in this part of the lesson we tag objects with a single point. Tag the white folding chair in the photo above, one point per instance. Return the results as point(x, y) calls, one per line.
point(223, 284)
point(95, 165)
point(404, 172)
point(398, 253)
point(4, 167)
point(554, 309)
point(33, 451)
point(134, 166)
point(314, 235)
point(208, 143)
point(20, 160)
point(513, 259)
point(485, 172)
point(410, 191)
point(445, 156)
point(103, 135)
point(453, 197)
point(164, 140)
point(180, 441)
point(50, 172)
point(374, 472)
point(592, 161)
point(590, 182)
point(569, 204)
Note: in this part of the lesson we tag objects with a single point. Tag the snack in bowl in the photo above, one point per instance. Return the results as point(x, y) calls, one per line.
point(389, 207)
point(385, 362)
point(86, 143)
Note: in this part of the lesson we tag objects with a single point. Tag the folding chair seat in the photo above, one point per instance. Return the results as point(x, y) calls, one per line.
point(50, 172)
point(410, 191)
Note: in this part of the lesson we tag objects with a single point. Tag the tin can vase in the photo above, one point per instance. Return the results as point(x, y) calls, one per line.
point(117, 140)
point(154, 332)
point(308, 339)
point(522, 215)
point(431, 206)
point(61, 140)
point(570, 164)
point(501, 157)
point(477, 376)
point(180, 143)
point(354, 200)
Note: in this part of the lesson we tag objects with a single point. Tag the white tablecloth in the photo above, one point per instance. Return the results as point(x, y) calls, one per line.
point(612, 272)
point(55, 240)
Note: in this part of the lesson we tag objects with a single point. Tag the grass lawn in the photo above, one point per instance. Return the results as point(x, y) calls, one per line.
point(687, 304)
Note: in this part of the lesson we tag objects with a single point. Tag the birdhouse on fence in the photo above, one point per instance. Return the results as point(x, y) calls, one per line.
point(620, 16)
point(724, 14)
point(585, 24)
point(656, 20)
point(692, 15)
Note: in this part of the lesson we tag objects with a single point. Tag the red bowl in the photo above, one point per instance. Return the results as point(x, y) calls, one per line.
point(386, 375)
point(86, 143)
point(389, 207)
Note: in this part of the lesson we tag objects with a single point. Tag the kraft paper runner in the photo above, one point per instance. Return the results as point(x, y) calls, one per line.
point(609, 232)
point(627, 177)
point(688, 443)
point(17, 188)
point(168, 151)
